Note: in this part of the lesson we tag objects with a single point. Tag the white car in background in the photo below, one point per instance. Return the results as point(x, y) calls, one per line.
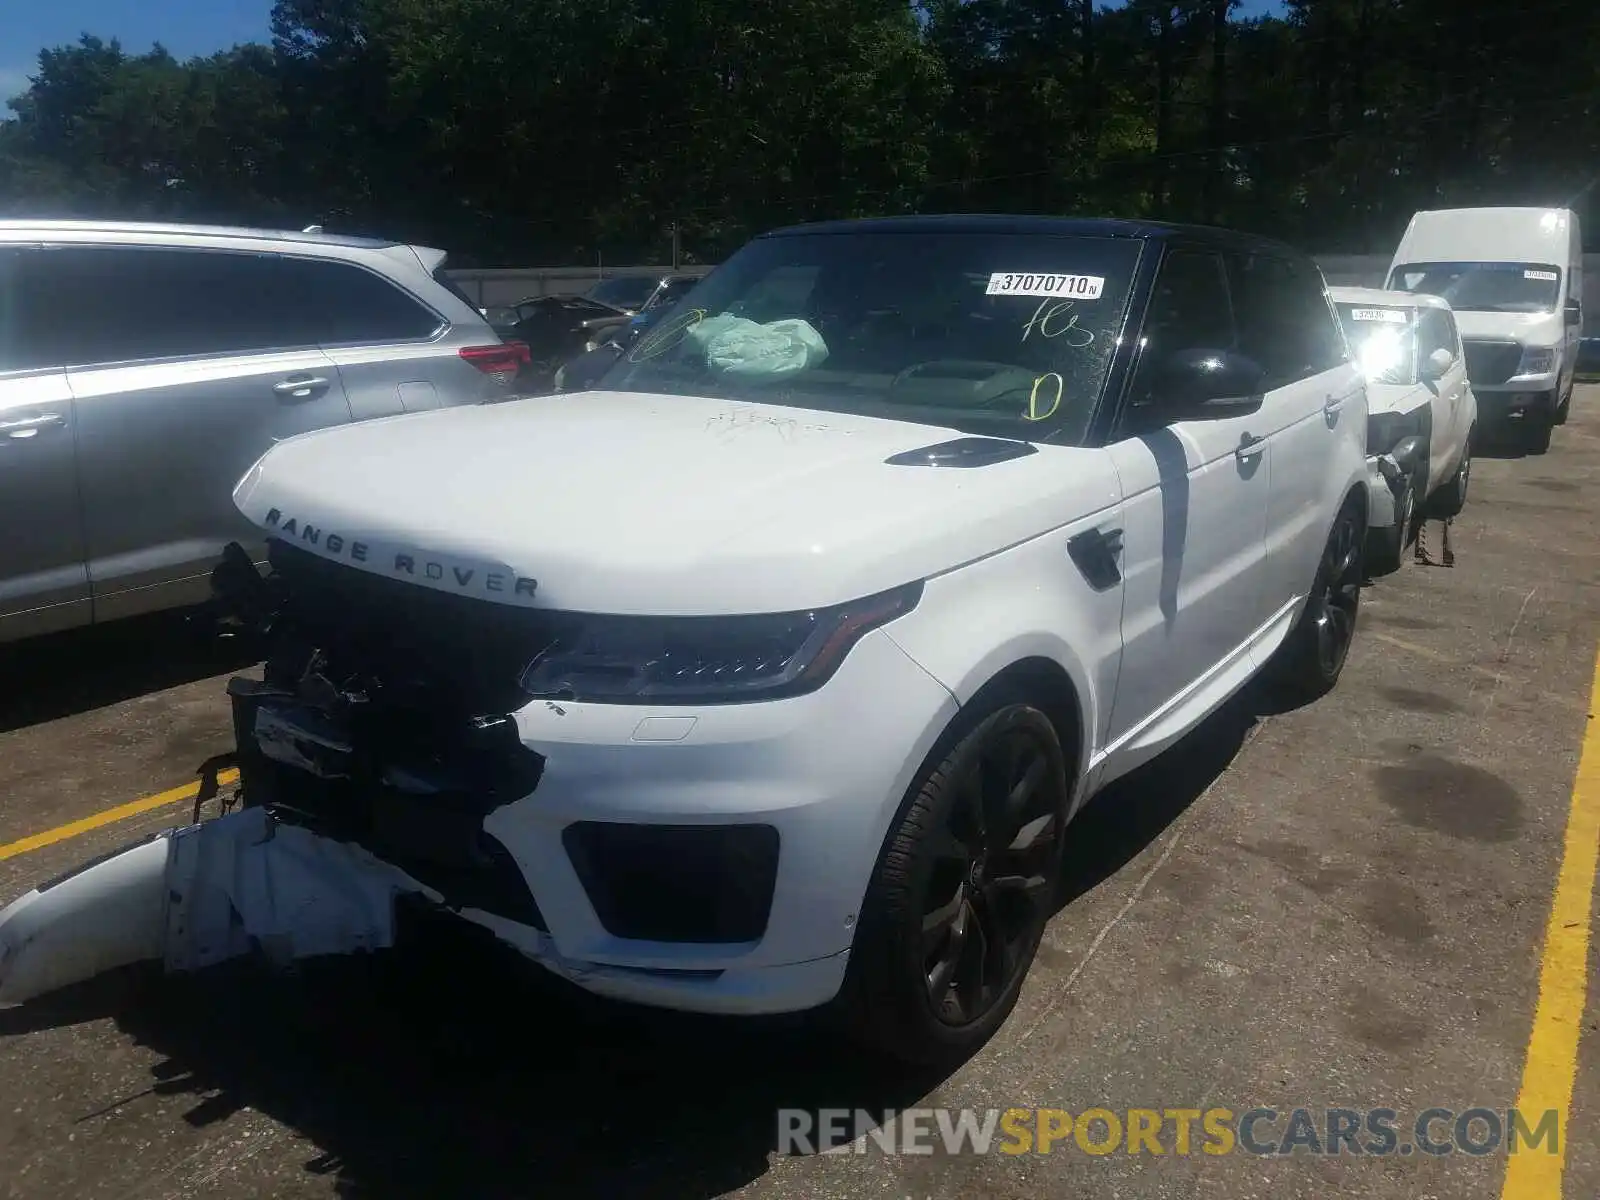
point(1421, 411)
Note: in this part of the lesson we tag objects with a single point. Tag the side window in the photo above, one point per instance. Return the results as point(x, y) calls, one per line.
point(12, 354)
point(1285, 321)
point(1189, 310)
point(88, 305)
point(351, 304)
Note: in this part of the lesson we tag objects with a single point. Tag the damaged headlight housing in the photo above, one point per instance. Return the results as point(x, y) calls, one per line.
point(708, 660)
point(1385, 430)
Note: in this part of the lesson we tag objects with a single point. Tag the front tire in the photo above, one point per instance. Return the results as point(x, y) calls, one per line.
point(1538, 424)
point(1451, 498)
point(1309, 662)
point(1386, 547)
point(961, 894)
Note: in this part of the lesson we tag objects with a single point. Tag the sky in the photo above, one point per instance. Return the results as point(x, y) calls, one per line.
point(185, 27)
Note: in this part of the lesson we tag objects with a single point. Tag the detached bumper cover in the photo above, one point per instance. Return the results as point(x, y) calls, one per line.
point(197, 896)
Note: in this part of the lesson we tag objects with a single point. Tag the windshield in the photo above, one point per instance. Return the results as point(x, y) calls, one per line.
point(1483, 286)
point(623, 291)
point(1383, 339)
point(1009, 335)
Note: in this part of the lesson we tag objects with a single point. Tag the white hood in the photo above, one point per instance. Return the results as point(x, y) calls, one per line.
point(625, 503)
point(1531, 329)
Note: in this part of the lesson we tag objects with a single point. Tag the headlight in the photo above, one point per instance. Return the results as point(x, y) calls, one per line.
point(1536, 360)
point(708, 660)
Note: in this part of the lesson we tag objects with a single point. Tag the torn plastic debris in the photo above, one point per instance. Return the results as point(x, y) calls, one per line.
point(749, 349)
point(197, 896)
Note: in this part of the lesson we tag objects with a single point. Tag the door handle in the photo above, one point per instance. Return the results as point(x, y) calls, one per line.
point(298, 387)
point(1333, 404)
point(27, 427)
point(1249, 448)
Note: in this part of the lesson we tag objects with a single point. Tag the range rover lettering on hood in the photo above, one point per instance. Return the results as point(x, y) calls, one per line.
point(439, 571)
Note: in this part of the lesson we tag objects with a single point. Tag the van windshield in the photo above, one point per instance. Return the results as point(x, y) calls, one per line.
point(1484, 286)
point(1383, 339)
point(1009, 335)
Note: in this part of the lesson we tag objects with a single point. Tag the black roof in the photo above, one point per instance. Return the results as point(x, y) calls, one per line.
point(1044, 226)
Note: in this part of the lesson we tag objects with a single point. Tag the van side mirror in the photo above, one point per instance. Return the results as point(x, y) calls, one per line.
point(1572, 313)
point(1201, 385)
point(1436, 364)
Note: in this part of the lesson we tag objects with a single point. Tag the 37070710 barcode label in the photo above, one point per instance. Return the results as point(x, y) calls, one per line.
point(1064, 287)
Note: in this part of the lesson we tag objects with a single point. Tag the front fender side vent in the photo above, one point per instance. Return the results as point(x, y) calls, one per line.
point(964, 452)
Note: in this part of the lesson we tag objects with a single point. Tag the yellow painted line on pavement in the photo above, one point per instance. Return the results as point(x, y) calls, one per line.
point(122, 812)
point(1551, 1067)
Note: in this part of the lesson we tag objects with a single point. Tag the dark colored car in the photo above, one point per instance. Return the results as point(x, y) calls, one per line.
point(582, 371)
point(554, 328)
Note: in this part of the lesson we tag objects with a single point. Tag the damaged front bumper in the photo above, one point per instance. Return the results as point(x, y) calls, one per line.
point(709, 859)
point(1388, 476)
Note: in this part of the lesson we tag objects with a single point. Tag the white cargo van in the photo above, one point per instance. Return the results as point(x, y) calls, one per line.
point(1514, 277)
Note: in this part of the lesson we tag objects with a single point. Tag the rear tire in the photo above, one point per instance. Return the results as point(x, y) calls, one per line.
point(953, 915)
point(1308, 664)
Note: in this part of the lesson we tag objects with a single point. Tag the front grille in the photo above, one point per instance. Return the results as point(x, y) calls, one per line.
point(452, 654)
point(677, 883)
point(1491, 362)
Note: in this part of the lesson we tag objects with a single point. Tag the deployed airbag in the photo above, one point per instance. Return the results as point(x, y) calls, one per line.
point(749, 349)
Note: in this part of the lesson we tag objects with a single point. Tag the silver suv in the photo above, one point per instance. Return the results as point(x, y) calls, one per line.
point(144, 368)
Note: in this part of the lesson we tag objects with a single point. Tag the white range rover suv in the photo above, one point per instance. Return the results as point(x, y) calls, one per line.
point(768, 674)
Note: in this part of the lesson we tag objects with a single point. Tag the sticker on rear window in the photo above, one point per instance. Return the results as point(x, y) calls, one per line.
point(1393, 316)
point(1065, 287)
point(1550, 275)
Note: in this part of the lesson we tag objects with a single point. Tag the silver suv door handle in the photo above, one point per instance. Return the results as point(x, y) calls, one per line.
point(27, 427)
point(1333, 404)
point(298, 387)
point(1249, 447)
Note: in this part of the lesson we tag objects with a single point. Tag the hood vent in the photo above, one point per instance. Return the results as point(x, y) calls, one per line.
point(964, 452)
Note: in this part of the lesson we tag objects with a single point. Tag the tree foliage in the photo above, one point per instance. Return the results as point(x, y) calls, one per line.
point(554, 130)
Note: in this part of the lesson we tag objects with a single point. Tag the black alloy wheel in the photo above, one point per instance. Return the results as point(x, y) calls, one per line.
point(993, 866)
point(1335, 598)
point(963, 888)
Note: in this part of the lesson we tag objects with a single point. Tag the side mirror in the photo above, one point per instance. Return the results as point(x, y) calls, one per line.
point(1436, 364)
point(1572, 313)
point(1200, 385)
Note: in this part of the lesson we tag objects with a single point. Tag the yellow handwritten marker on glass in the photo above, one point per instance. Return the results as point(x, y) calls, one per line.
point(1033, 413)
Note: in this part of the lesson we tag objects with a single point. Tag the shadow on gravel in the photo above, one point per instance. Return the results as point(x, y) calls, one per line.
point(1509, 442)
point(456, 1069)
point(61, 675)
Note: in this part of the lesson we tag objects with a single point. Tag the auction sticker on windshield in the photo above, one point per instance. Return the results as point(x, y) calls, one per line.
point(1548, 275)
point(1021, 283)
point(1392, 316)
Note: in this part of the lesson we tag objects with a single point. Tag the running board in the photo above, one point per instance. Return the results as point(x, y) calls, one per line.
point(200, 895)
